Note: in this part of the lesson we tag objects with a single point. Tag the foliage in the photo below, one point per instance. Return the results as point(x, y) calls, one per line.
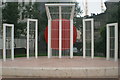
point(112, 12)
point(22, 29)
point(78, 10)
point(100, 45)
point(11, 14)
point(39, 12)
point(119, 14)
point(78, 22)
point(77, 18)
point(112, 16)
point(0, 16)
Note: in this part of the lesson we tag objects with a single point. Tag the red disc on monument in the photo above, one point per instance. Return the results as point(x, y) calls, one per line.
point(65, 34)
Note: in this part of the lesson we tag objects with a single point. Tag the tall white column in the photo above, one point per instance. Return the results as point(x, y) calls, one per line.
point(49, 38)
point(28, 39)
point(12, 42)
point(116, 42)
point(84, 42)
point(60, 33)
point(4, 42)
point(71, 38)
point(36, 39)
point(92, 38)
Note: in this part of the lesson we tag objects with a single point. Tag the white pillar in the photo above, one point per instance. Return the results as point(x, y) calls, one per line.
point(60, 33)
point(108, 43)
point(49, 38)
point(92, 38)
point(71, 38)
point(28, 39)
point(36, 39)
point(116, 42)
point(84, 42)
point(4, 42)
point(12, 42)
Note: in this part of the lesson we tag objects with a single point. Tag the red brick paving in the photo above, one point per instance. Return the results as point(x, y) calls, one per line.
point(63, 62)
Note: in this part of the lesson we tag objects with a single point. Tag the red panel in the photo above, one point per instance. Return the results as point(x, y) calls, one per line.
point(65, 34)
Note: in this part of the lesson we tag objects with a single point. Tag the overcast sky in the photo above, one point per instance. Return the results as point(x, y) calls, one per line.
point(94, 6)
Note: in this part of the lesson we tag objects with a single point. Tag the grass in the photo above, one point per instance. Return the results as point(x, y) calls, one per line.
point(44, 54)
point(24, 55)
point(20, 55)
point(99, 56)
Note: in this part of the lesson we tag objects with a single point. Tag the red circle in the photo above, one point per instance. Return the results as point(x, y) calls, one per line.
point(65, 34)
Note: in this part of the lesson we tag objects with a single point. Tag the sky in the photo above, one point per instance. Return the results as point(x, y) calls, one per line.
point(94, 6)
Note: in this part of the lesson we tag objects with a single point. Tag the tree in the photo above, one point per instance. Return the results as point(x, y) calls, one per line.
point(100, 45)
point(37, 11)
point(78, 10)
point(11, 14)
point(112, 12)
point(40, 14)
point(28, 10)
point(112, 16)
point(77, 17)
